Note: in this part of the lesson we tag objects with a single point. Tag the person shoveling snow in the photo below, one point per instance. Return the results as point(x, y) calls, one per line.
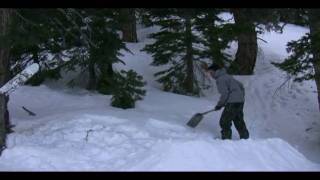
point(232, 99)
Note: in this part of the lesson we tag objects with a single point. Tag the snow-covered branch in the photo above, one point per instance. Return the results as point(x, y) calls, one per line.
point(85, 36)
point(19, 79)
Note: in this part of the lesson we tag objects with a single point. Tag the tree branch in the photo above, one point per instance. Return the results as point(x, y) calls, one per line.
point(262, 40)
point(78, 27)
point(28, 111)
point(87, 136)
point(25, 19)
point(288, 78)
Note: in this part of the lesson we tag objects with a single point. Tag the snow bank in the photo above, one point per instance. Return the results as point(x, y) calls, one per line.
point(81, 132)
point(244, 155)
point(106, 143)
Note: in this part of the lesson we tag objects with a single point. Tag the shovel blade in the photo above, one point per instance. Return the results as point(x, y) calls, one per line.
point(195, 120)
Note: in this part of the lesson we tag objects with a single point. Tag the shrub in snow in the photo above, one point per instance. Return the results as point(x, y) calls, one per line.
point(127, 89)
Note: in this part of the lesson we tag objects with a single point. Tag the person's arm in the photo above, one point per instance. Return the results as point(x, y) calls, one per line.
point(224, 93)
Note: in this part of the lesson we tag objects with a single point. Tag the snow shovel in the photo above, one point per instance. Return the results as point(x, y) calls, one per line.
point(195, 120)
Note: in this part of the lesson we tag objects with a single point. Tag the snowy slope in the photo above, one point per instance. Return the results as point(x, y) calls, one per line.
point(291, 112)
point(78, 130)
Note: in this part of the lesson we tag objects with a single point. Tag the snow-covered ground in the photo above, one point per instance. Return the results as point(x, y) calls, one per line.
point(77, 130)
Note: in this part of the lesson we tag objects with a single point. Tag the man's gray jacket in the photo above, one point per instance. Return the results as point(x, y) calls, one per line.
point(231, 90)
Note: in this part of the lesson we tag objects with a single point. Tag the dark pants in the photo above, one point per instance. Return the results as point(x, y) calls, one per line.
point(233, 112)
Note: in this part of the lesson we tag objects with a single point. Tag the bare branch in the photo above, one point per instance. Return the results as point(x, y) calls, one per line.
point(282, 27)
point(262, 40)
point(283, 84)
point(87, 136)
point(28, 111)
point(91, 130)
point(25, 19)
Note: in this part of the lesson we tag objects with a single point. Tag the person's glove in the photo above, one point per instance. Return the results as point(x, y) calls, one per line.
point(217, 108)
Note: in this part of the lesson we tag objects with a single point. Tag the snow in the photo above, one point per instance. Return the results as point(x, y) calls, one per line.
point(78, 130)
point(228, 156)
point(73, 132)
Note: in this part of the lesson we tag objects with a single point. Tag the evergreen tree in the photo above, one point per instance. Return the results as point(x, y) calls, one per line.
point(248, 24)
point(127, 89)
point(187, 38)
point(34, 35)
point(294, 16)
point(314, 25)
point(304, 60)
point(87, 38)
point(106, 49)
point(300, 60)
point(247, 42)
point(174, 47)
point(216, 35)
point(128, 24)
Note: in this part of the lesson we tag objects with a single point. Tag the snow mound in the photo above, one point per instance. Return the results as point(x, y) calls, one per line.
point(217, 155)
point(107, 143)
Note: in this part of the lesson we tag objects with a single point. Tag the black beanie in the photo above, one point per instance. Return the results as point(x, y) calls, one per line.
point(214, 67)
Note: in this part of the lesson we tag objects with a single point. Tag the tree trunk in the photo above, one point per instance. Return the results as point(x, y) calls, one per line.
point(246, 55)
point(4, 76)
point(105, 83)
point(314, 24)
point(110, 71)
point(92, 84)
point(189, 81)
point(129, 25)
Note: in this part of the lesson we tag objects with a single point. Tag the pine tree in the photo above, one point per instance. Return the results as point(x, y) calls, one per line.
point(294, 16)
point(247, 42)
point(217, 34)
point(128, 24)
point(35, 33)
point(87, 38)
point(174, 47)
point(300, 60)
point(304, 60)
point(187, 38)
point(107, 48)
point(314, 24)
point(127, 89)
point(248, 24)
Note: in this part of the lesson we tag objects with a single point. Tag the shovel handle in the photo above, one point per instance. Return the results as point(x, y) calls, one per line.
point(208, 111)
